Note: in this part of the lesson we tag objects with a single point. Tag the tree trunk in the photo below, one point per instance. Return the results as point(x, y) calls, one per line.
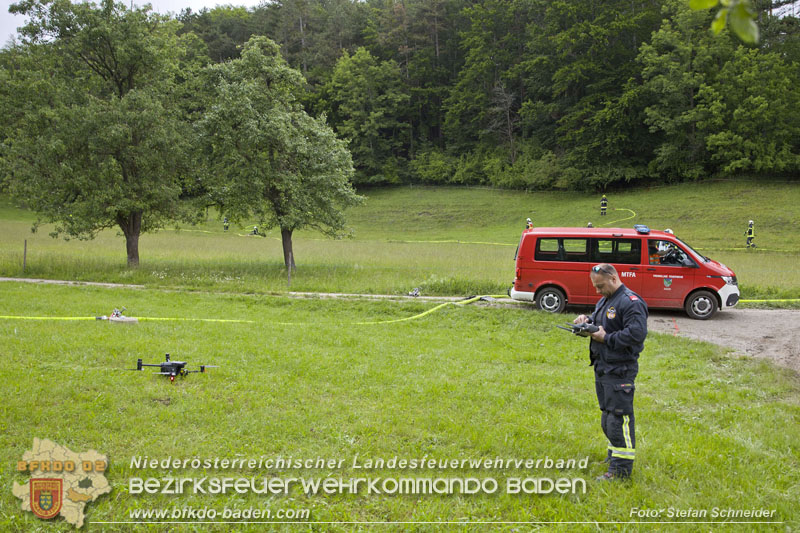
point(303, 45)
point(131, 226)
point(436, 33)
point(288, 255)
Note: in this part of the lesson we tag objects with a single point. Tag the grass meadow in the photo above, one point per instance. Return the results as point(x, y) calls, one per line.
point(404, 238)
point(306, 380)
point(311, 378)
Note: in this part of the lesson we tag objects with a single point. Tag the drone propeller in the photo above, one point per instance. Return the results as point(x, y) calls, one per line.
point(139, 365)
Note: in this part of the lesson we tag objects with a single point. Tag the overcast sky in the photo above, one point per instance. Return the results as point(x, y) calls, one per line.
point(9, 22)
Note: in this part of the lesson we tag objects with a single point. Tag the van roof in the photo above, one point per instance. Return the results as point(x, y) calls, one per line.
point(593, 232)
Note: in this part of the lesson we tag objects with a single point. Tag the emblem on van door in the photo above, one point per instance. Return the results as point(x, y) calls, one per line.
point(667, 282)
point(629, 274)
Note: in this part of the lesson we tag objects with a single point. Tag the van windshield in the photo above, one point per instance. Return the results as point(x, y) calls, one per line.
point(700, 256)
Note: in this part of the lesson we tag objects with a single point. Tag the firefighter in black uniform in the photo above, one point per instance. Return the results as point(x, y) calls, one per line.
point(750, 233)
point(603, 205)
point(621, 316)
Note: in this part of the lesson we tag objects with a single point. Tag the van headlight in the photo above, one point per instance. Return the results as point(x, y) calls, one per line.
point(729, 280)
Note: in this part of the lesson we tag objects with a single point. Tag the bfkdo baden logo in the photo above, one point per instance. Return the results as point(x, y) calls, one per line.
point(46, 497)
point(62, 481)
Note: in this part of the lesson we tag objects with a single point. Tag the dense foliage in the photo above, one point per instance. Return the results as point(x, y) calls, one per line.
point(529, 94)
point(537, 93)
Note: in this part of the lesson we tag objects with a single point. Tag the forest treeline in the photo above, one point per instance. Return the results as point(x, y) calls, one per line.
point(533, 94)
point(536, 94)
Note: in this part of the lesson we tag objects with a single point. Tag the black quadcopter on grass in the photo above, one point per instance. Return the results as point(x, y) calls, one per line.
point(172, 368)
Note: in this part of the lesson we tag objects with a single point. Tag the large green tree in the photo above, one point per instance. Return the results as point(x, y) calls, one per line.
point(753, 122)
point(266, 157)
point(580, 57)
point(484, 100)
point(98, 139)
point(367, 100)
point(681, 57)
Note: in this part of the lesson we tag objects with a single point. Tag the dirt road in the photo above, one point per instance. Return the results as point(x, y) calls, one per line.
point(769, 333)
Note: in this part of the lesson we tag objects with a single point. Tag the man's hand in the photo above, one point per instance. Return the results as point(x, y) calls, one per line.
point(599, 335)
point(582, 319)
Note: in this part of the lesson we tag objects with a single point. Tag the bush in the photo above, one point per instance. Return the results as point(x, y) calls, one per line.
point(471, 169)
point(433, 166)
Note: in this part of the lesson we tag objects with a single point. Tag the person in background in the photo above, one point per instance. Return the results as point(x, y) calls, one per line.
point(750, 233)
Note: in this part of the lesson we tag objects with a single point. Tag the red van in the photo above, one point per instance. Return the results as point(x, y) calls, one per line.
point(553, 269)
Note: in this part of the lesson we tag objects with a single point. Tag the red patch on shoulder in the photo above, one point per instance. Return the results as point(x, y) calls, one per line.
point(633, 297)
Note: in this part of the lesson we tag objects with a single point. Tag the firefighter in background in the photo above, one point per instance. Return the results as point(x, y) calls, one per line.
point(750, 233)
point(621, 317)
point(603, 205)
point(225, 224)
point(528, 224)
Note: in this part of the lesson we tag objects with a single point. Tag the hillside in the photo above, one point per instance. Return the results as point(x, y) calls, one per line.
point(448, 241)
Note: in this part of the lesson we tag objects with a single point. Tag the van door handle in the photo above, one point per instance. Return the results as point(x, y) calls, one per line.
point(635, 268)
point(651, 269)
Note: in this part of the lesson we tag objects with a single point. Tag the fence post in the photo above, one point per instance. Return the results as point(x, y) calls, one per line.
point(24, 256)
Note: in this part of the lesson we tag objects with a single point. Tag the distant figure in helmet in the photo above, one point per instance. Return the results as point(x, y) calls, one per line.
point(589, 225)
point(528, 224)
point(225, 224)
point(669, 231)
point(750, 233)
point(603, 205)
point(255, 231)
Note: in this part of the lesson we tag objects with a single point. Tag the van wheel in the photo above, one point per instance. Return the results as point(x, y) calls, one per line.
point(551, 300)
point(701, 305)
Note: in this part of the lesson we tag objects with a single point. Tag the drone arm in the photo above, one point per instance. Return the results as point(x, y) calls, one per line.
point(202, 369)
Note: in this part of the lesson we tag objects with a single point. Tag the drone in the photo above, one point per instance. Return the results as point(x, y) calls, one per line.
point(172, 368)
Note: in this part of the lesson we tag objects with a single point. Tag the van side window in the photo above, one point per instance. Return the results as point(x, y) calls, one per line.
point(562, 249)
point(623, 251)
point(547, 250)
point(577, 250)
point(667, 253)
